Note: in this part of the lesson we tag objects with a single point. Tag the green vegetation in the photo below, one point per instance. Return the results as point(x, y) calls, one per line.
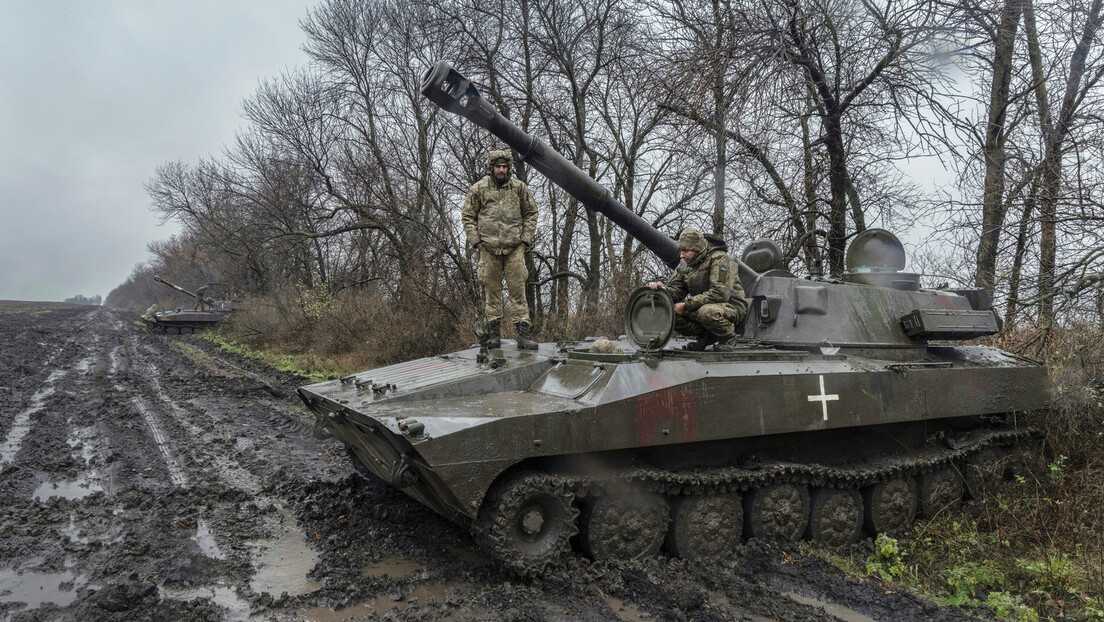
point(309, 365)
point(1034, 550)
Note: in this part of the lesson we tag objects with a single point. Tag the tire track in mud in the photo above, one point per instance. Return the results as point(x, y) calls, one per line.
point(176, 472)
point(21, 425)
point(276, 560)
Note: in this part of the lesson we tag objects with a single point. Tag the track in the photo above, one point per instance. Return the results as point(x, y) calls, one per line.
point(149, 476)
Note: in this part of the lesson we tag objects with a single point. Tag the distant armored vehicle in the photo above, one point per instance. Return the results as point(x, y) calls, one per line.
point(845, 409)
point(206, 313)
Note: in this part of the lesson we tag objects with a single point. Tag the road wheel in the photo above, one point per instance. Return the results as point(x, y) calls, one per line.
point(779, 512)
point(984, 472)
point(705, 527)
point(836, 516)
point(624, 525)
point(890, 505)
point(939, 489)
point(527, 521)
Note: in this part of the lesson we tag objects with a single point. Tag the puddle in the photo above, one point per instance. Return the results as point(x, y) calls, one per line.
point(839, 611)
point(394, 567)
point(22, 424)
point(282, 563)
point(76, 489)
point(206, 541)
point(626, 611)
point(417, 596)
point(86, 482)
point(72, 532)
point(85, 364)
point(221, 595)
point(56, 375)
point(37, 588)
point(114, 356)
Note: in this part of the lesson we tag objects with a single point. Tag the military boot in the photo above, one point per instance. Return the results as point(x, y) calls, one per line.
point(524, 339)
point(702, 342)
point(493, 335)
point(726, 343)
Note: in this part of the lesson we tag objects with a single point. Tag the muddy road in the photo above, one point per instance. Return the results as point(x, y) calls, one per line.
point(153, 477)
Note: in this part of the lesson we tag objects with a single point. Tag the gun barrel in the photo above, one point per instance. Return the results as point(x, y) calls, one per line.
point(454, 93)
point(174, 286)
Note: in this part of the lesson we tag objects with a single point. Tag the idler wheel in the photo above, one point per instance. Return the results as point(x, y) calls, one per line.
point(624, 525)
point(836, 516)
point(779, 512)
point(705, 527)
point(939, 489)
point(527, 521)
point(984, 472)
point(890, 505)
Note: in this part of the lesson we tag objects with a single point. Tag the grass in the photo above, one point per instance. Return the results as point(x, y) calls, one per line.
point(1035, 549)
point(310, 366)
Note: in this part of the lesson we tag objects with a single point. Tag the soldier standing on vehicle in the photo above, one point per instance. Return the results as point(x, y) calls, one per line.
point(500, 219)
point(709, 299)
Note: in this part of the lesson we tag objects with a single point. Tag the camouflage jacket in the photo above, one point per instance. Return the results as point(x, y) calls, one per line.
point(712, 277)
point(501, 217)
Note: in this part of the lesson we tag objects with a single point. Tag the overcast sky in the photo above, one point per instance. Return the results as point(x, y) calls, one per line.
point(94, 95)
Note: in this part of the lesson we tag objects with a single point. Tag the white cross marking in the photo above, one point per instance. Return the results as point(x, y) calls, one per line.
point(824, 398)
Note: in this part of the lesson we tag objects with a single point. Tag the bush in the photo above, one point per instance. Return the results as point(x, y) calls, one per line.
point(356, 328)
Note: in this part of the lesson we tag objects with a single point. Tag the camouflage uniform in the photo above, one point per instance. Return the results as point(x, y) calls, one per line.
point(710, 286)
point(504, 218)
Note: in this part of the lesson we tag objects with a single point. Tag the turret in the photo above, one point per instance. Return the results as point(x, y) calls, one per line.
point(876, 304)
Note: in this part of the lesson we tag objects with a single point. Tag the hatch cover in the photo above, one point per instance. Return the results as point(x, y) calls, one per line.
point(649, 319)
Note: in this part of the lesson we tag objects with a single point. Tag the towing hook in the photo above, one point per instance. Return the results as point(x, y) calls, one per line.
point(321, 430)
point(411, 427)
point(404, 476)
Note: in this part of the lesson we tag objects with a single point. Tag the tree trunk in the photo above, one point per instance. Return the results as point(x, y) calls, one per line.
point(1054, 135)
point(993, 208)
point(1012, 307)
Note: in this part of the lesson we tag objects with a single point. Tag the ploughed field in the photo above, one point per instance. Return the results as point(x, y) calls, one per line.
point(154, 477)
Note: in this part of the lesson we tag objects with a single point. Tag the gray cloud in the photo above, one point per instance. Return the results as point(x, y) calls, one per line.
point(95, 95)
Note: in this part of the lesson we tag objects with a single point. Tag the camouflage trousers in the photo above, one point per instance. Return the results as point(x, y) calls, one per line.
point(511, 267)
point(718, 319)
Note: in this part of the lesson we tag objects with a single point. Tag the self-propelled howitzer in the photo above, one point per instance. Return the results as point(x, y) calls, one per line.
point(844, 410)
point(207, 312)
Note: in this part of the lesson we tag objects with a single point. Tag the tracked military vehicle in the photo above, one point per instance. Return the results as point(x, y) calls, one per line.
point(206, 313)
point(843, 411)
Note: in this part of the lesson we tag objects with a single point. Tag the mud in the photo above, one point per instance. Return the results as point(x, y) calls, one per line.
point(152, 477)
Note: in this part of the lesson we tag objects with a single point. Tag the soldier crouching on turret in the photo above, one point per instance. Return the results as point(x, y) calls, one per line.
point(709, 299)
point(500, 219)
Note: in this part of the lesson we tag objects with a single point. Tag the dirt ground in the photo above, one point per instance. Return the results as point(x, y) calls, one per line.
point(152, 477)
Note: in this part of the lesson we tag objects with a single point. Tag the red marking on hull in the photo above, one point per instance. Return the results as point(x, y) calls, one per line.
point(666, 409)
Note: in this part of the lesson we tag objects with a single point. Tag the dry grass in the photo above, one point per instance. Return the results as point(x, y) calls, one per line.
point(352, 330)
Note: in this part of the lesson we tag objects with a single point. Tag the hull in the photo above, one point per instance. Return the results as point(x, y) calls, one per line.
point(189, 321)
point(443, 429)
